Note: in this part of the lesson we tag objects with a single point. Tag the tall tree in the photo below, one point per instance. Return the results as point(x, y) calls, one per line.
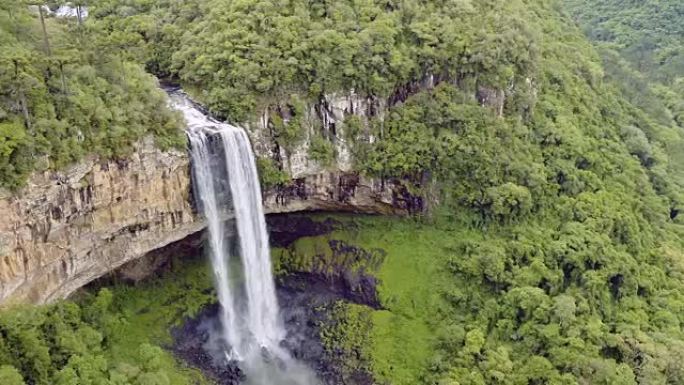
point(40, 5)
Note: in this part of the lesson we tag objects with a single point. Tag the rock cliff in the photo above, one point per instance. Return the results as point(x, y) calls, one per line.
point(67, 228)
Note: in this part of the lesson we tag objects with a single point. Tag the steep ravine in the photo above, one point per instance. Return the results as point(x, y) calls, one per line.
point(69, 227)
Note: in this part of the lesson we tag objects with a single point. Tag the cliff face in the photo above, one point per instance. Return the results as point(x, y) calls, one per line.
point(66, 228)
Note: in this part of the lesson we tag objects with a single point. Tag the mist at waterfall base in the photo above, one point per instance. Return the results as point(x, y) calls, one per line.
point(249, 330)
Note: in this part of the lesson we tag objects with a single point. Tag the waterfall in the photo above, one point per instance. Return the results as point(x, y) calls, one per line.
point(262, 309)
point(222, 152)
point(208, 198)
point(225, 182)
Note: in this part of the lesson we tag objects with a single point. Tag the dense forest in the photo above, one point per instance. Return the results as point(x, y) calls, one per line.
point(645, 33)
point(64, 345)
point(552, 233)
point(107, 337)
point(642, 51)
point(65, 91)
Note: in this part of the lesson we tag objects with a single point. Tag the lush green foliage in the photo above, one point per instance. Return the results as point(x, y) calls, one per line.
point(270, 175)
point(571, 142)
point(66, 91)
point(643, 54)
point(538, 301)
point(257, 53)
point(646, 33)
point(554, 256)
point(346, 335)
point(554, 252)
point(273, 58)
point(113, 337)
point(63, 345)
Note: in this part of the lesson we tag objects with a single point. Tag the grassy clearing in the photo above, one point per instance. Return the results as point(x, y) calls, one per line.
point(149, 310)
point(412, 278)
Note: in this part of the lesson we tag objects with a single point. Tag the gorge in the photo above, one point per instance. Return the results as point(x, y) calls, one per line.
point(71, 226)
point(367, 192)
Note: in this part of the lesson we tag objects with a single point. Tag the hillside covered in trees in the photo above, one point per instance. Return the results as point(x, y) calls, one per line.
point(642, 49)
point(647, 34)
point(65, 91)
point(552, 235)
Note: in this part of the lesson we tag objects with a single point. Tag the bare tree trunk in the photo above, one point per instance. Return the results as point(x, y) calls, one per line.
point(45, 34)
point(123, 68)
point(65, 90)
point(22, 98)
point(25, 111)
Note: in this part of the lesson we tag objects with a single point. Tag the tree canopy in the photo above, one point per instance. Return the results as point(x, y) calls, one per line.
point(66, 91)
point(65, 345)
point(553, 168)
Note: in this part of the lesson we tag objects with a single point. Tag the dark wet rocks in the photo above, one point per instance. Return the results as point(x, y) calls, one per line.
point(306, 297)
point(194, 343)
point(284, 229)
point(305, 301)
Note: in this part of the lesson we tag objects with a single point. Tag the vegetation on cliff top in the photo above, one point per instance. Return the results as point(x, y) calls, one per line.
point(273, 58)
point(250, 55)
point(66, 91)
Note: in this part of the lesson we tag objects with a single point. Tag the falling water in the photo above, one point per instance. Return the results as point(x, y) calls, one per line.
point(262, 308)
point(258, 326)
point(209, 198)
point(249, 311)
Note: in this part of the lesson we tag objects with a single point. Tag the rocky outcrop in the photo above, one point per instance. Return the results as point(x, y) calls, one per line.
point(338, 191)
point(67, 228)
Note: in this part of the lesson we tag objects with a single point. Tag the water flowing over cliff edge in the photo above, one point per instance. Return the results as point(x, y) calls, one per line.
point(71, 226)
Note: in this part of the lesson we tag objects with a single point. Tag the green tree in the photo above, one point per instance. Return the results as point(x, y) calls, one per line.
point(9, 375)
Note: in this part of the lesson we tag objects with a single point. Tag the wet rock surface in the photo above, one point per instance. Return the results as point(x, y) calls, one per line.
point(305, 304)
point(193, 343)
point(346, 272)
point(305, 300)
point(284, 229)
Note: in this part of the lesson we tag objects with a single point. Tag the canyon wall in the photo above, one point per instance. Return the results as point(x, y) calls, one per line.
point(67, 228)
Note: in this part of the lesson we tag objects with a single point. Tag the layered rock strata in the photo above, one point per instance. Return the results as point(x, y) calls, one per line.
point(67, 228)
